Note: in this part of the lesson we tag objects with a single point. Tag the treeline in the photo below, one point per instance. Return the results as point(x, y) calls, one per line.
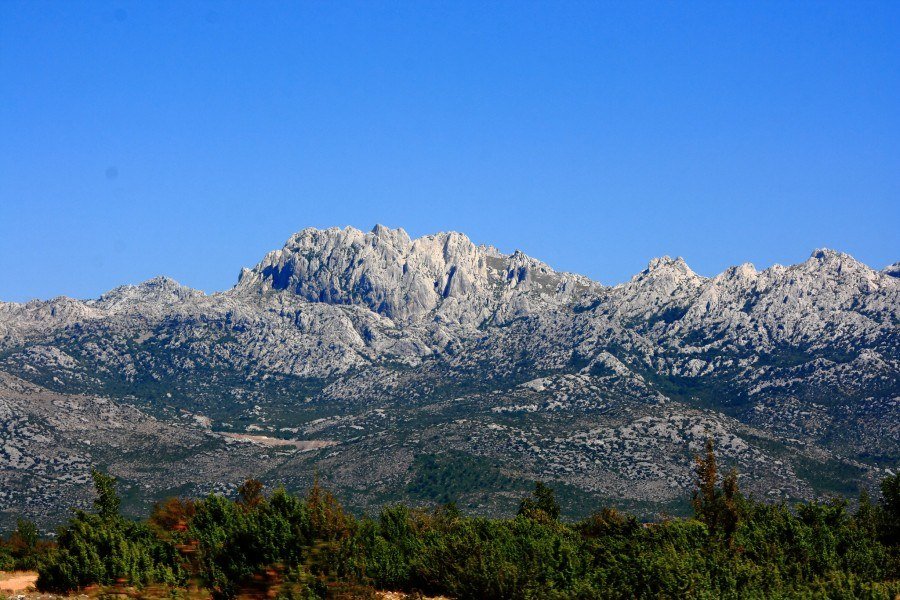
point(309, 547)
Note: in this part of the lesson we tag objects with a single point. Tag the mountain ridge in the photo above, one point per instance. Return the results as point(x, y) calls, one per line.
point(381, 231)
point(384, 348)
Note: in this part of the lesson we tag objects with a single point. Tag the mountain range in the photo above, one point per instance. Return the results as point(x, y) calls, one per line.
point(435, 370)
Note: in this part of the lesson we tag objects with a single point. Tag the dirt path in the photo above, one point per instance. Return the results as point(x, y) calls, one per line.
point(21, 581)
point(18, 581)
point(402, 596)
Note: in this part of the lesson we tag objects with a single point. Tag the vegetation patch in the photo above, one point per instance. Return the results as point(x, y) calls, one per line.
point(288, 546)
point(455, 476)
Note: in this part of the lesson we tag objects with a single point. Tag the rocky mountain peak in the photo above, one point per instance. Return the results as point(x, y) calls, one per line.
point(832, 260)
point(669, 265)
point(827, 254)
point(404, 279)
point(742, 272)
point(380, 230)
point(666, 274)
point(841, 269)
point(892, 270)
point(161, 291)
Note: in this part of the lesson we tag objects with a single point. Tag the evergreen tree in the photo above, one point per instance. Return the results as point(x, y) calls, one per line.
point(24, 545)
point(719, 508)
point(890, 510)
point(103, 548)
point(541, 503)
point(106, 505)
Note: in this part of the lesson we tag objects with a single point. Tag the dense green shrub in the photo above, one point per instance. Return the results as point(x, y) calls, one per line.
point(308, 547)
point(7, 562)
point(262, 541)
point(104, 548)
point(93, 550)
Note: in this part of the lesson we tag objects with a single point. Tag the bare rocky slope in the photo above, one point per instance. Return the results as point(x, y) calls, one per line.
point(434, 369)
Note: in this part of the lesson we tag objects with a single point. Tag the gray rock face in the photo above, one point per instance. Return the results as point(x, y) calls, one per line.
point(443, 277)
point(368, 351)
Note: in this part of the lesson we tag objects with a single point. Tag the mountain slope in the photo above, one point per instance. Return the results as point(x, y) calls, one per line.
point(435, 369)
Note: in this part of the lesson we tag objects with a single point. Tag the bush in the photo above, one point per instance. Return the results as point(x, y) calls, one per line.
point(24, 550)
point(104, 548)
point(308, 547)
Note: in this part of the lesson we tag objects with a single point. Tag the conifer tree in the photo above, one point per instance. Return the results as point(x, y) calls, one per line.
point(107, 502)
point(542, 502)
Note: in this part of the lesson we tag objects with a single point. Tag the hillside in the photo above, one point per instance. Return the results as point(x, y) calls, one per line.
point(436, 369)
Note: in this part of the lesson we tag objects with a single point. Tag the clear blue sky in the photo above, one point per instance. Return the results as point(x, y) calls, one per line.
point(188, 139)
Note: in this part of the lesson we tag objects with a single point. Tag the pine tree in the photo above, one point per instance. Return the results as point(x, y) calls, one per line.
point(542, 502)
point(719, 508)
point(890, 510)
point(705, 496)
point(107, 503)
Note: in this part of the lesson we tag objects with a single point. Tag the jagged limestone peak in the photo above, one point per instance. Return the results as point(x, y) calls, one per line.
point(158, 290)
point(667, 267)
point(443, 274)
point(827, 259)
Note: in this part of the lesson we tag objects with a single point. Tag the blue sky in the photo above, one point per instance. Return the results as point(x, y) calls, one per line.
point(188, 139)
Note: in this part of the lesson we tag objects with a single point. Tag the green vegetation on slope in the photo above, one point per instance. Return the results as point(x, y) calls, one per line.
point(308, 547)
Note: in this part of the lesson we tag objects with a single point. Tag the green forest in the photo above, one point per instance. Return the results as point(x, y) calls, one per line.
point(289, 546)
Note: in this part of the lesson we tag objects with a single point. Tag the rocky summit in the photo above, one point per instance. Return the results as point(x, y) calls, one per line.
point(434, 369)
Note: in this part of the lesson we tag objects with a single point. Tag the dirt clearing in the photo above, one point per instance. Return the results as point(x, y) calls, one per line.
point(18, 581)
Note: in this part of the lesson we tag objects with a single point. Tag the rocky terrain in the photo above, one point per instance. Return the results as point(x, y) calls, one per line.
point(434, 369)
